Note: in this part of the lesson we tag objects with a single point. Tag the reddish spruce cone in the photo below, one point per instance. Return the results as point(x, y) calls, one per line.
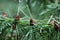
point(31, 22)
point(17, 17)
point(14, 26)
point(15, 22)
point(56, 26)
point(4, 14)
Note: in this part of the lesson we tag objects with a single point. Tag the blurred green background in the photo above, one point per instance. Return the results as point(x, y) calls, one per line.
point(37, 9)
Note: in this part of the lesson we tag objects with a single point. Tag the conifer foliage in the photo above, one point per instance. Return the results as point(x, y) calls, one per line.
point(30, 20)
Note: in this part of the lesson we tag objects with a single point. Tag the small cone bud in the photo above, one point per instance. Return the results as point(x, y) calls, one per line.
point(14, 26)
point(31, 22)
point(56, 26)
point(17, 17)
